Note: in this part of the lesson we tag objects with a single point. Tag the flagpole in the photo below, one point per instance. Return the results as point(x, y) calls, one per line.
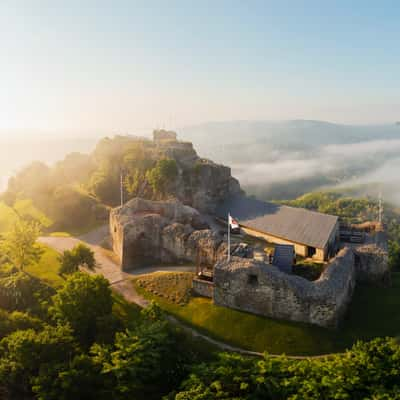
point(229, 237)
point(121, 185)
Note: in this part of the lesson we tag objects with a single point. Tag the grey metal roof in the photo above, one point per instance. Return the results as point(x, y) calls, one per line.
point(294, 224)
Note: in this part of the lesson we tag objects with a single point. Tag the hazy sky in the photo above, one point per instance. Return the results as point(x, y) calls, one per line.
point(126, 66)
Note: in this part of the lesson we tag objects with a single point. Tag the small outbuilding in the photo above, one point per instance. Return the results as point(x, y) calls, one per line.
point(312, 234)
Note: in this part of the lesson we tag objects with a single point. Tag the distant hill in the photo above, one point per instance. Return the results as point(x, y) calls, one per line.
point(301, 135)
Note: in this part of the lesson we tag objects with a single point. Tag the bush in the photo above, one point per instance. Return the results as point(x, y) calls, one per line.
point(83, 303)
point(79, 256)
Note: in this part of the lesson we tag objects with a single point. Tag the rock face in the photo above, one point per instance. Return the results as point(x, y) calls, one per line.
point(201, 183)
point(145, 232)
point(263, 289)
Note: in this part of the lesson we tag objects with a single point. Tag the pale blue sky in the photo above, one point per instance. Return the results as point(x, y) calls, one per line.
point(127, 66)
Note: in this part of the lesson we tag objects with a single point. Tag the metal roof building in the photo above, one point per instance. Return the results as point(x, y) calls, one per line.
point(314, 234)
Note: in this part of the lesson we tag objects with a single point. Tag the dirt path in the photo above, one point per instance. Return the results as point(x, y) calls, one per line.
point(121, 282)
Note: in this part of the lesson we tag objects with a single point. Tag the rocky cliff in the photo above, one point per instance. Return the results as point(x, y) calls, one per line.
point(201, 183)
point(145, 232)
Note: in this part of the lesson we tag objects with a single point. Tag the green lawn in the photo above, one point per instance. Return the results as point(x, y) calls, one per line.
point(47, 268)
point(374, 312)
point(7, 218)
point(24, 208)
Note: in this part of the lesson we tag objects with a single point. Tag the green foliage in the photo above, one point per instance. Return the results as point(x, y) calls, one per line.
point(162, 175)
point(21, 209)
point(23, 292)
point(308, 270)
point(72, 208)
point(25, 354)
point(48, 268)
point(82, 303)
point(369, 370)
point(80, 256)
point(20, 245)
point(140, 358)
point(75, 168)
point(79, 378)
point(11, 322)
point(137, 161)
point(394, 255)
point(53, 195)
point(350, 209)
point(105, 185)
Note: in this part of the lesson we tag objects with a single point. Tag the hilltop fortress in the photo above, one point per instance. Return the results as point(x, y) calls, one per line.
point(184, 230)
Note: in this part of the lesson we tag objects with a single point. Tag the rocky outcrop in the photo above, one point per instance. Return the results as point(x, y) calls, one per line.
point(201, 183)
point(263, 289)
point(145, 232)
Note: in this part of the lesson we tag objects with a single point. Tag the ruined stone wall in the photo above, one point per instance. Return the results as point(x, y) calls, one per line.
point(372, 260)
point(162, 134)
point(145, 232)
point(262, 289)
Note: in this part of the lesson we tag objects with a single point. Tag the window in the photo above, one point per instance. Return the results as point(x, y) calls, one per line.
point(252, 279)
point(311, 251)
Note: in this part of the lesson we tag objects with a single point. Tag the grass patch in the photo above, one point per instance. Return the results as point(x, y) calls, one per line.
point(7, 218)
point(47, 268)
point(25, 208)
point(308, 270)
point(128, 313)
point(87, 228)
point(174, 287)
point(374, 312)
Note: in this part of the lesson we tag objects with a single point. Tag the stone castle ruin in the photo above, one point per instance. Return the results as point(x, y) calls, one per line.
point(146, 232)
point(263, 289)
point(179, 230)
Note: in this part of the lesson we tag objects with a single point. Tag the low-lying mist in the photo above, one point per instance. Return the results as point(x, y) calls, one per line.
point(293, 158)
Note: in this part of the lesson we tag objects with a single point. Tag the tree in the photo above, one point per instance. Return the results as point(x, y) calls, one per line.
point(79, 256)
point(137, 161)
point(162, 175)
point(142, 363)
point(394, 255)
point(20, 244)
point(83, 302)
point(80, 378)
point(367, 371)
point(23, 292)
point(25, 353)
